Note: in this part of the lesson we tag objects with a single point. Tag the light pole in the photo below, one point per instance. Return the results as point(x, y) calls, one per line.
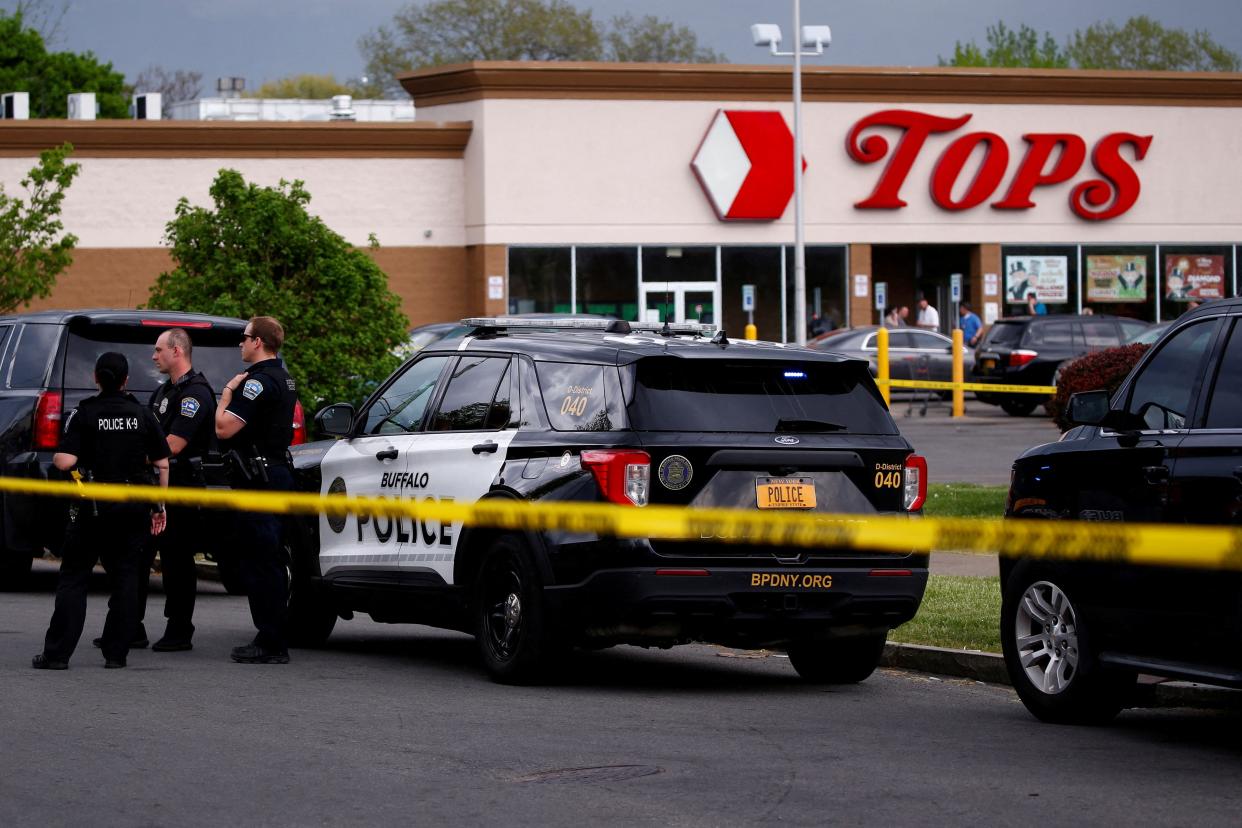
point(816, 37)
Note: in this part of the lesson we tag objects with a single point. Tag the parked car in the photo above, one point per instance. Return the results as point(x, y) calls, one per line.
point(913, 354)
point(1165, 448)
point(613, 412)
point(1030, 350)
point(1148, 336)
point(47, 362)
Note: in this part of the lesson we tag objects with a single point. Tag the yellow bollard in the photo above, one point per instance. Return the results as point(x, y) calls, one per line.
point(959, 375)
point(752, 333)
point(881, 356)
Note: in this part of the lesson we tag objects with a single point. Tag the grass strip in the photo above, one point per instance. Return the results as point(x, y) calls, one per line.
point(958, 612)
point(951, 500)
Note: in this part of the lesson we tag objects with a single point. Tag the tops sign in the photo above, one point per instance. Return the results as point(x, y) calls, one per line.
point(1112, 193)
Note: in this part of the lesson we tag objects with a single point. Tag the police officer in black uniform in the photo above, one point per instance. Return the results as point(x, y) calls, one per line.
point(114, 439)
point(185, 406)
point(255, 419)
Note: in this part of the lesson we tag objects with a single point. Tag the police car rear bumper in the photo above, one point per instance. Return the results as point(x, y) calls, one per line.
point(741, 606)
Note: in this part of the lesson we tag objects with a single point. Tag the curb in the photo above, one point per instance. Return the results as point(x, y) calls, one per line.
point(990, 668)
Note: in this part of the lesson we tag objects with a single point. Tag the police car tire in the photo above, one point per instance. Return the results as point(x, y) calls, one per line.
point(512, 626)
point(837, 660)
point(1093, 694)
point(311, 617)
point(1018, 408)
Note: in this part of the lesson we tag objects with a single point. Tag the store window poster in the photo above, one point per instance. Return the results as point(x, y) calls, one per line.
point(1191, 276)
point(1116, 279)
point(1045, 276)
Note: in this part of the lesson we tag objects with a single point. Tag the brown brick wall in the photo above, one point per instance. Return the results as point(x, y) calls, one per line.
point(431, 281)
point(485, 260)
point(861, 312)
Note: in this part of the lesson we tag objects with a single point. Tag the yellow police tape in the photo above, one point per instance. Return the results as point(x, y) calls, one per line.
point(1155, 544)
point(995, 388)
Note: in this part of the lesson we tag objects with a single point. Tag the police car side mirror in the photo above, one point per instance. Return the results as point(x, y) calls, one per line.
point(335, 420)
point(1089, 408)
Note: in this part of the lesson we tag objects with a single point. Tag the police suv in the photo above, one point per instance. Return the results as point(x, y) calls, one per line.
point(608, 411)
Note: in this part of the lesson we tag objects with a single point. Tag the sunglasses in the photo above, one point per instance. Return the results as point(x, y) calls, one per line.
point(246, 336)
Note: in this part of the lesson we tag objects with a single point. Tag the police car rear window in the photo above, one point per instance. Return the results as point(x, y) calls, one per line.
point(756, 396)
point(580, 397)
point(214, 352)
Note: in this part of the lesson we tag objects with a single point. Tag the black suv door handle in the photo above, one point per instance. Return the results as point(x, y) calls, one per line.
point(485, 448)
point(1155, 475)
point(389, 453)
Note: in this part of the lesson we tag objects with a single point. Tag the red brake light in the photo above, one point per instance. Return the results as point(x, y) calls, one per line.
point(299, 424)
point(1018, 358)
point(47, 421)
point(914, 490)
point(622, 476)
point(164, 323)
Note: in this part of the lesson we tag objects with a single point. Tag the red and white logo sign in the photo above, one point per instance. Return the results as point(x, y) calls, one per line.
point(744, 165)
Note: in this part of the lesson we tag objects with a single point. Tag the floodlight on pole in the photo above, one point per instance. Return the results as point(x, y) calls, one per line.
point(815, 38)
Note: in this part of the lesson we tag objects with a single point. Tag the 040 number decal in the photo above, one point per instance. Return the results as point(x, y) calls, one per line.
point(888, 480)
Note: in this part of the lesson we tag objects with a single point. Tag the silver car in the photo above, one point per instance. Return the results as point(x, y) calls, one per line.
point(913, 354)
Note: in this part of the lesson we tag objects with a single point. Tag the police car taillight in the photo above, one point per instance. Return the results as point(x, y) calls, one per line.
point(47, 420)
point(914, 490)
point(299, 424)
point(622, 476)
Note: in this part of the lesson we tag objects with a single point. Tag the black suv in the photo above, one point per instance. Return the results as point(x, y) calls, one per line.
point(1030, 350)
point(596, 411)
point(47, 362)
point(1166, 448)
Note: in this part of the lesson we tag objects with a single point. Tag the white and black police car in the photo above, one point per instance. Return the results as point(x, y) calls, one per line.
point(609, 411)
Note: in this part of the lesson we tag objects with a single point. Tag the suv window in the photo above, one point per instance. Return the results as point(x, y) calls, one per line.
point(1005, 334)
point(401, 407)
point(1050, 335)
point(577, 397)
point(1225, 404)
point(36, 346)
point(1161, 395)
point(214, 353)
point(471, 391)
point(719, 395)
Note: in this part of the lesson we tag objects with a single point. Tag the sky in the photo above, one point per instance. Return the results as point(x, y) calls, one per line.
point(263, 40)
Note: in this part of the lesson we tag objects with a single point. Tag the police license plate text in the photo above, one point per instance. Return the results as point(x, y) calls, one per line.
point(790, 580)
point(785, 493)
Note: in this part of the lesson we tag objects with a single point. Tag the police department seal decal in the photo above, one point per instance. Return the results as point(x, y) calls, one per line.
point(675, 472)
point(336, 521)
point(163, 405)
point(189, 407)
point(252, 389)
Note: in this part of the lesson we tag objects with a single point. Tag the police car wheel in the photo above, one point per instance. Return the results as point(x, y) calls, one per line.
point(837, 660)
point(1048, 652)
point(511, 623)
point(311, 617)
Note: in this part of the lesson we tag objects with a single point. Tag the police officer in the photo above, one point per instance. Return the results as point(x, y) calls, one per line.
point(115, 439)
point(255, 418)
point(185, 406)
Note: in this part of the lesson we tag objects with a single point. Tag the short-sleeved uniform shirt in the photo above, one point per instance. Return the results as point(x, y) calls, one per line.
point(114, 436)
point(264, 402)
point(187, 409)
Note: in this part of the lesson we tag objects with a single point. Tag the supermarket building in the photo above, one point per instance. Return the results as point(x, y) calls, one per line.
point(653, 191)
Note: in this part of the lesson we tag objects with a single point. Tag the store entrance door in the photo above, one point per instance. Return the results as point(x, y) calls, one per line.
point(681, 302)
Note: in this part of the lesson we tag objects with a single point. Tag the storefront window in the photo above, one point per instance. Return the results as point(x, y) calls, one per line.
point(539, 280)
point(1192, 274)
point(679, 264)
point(1120, 280)
point(758, 266)
point(825, 290)
point(1048, 272)
point(607, 281)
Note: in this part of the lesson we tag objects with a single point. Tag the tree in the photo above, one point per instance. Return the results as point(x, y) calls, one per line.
point(34, 250)
point(1142, 43)
point(1006, 47)
point(259, 252)
point(455, 31)
point(174, 87)
point(46, 17)
point(49, 77)
point(314, 87)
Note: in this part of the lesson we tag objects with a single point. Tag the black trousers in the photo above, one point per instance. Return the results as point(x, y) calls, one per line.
point(185, 536)
point(263, 569)
point(116, 537)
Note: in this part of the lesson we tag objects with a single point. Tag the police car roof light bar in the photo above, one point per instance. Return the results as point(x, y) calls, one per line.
point(496, 322)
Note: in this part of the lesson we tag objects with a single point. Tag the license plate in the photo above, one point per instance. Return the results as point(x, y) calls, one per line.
point(989, 364)
point(785, 492)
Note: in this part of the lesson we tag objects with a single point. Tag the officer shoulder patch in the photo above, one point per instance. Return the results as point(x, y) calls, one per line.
point(189, 407)
point(252, 389)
